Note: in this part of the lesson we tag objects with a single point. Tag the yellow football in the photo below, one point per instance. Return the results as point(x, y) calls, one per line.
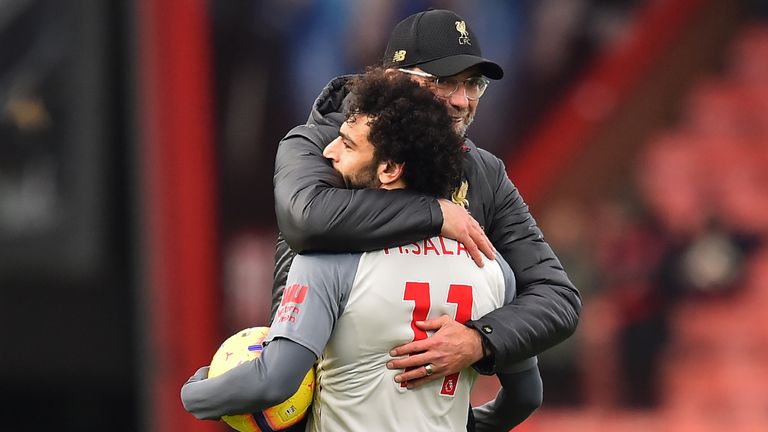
point(244, 346)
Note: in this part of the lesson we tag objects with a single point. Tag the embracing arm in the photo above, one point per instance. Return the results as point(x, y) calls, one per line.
point(546, 309)
point(251, 386)
point(315, 212)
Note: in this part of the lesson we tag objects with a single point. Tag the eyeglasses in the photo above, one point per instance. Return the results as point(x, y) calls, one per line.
point(474, 87)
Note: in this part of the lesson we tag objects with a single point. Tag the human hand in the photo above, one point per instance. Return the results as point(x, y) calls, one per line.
point(200, 375)
point(452, 348)
point(190, 396)
point(459, 225)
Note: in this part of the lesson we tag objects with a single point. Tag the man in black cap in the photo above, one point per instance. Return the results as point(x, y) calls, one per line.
point(438, 47)
point(315, 212)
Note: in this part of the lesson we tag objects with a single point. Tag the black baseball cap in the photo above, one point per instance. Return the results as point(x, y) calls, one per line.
point(438, 42)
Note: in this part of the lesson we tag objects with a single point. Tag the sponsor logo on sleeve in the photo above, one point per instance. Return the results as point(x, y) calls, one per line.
point(293, 297)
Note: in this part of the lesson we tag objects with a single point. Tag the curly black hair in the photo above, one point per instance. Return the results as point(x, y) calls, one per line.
point(410, 126)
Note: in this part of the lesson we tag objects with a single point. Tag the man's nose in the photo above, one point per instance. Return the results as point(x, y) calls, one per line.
point(330, 150)
point(459, 98)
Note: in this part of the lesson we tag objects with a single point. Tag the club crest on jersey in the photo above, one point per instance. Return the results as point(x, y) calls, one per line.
point(461, 27)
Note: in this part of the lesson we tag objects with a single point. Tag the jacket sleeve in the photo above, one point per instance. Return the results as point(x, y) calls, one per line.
point(546, 309)
point(521, 394)
point(316, 213)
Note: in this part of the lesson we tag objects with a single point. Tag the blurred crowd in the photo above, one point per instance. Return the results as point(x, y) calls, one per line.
point(673, 272)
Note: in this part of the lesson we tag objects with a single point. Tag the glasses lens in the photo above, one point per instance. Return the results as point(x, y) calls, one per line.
point(473, 87)
point(446, 86)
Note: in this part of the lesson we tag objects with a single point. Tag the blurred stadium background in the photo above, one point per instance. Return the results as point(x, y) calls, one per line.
point(137, 140)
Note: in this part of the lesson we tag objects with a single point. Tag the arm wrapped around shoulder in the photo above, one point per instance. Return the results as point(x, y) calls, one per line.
point(316, 213)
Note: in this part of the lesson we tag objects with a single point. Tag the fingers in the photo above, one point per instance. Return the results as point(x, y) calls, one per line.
point(418, 376)
point(413, 383)
point(484, 244)
point(459, 225)
point(202, 372)
point(474, 251)
point(200, 375)
point(411, 348)
point(477, 244)
point(414, 361)
point(433, 324)
point(452, 348)
point(480, 239)
point(420, 346)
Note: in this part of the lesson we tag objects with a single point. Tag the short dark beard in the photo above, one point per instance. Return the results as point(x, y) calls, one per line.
point(365, 178)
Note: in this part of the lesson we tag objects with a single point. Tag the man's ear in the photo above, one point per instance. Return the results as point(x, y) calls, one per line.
point(390, 172)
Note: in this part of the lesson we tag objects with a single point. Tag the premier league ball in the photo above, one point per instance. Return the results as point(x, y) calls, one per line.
point(246, 345)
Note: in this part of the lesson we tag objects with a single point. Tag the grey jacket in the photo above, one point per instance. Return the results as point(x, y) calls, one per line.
point(316, 213)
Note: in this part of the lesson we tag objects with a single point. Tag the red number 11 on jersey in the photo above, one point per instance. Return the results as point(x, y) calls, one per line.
point(460, 295)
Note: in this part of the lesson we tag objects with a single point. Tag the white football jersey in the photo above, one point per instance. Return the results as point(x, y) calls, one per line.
point(352, 309)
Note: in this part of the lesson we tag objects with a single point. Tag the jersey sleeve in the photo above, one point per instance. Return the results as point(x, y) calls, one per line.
point(316, 291)
point(251, 386)
point(510, 283)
